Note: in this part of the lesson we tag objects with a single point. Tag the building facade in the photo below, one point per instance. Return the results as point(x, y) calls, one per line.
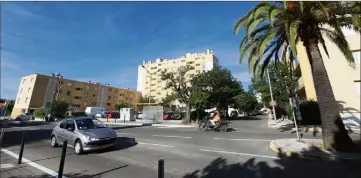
point(38, 90)
point(149, 73)
point(345, 80)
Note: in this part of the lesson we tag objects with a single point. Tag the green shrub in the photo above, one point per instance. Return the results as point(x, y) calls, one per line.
point(41, 112)
point(310, 113)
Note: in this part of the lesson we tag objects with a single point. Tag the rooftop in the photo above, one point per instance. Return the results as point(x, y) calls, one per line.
point(158, 60)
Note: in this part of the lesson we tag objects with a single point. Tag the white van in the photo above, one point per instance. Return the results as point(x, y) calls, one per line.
point(94, 110)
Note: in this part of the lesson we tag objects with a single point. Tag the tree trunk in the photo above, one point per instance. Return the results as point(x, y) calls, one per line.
point(335, 136)
point(187, 118)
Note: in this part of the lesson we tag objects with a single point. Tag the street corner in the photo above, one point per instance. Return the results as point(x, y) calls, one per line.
point(309, 149)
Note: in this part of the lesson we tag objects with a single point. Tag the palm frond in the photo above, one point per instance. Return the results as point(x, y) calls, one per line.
point(293, 35)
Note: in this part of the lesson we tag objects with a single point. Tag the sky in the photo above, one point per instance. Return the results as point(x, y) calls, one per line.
point(106, 41)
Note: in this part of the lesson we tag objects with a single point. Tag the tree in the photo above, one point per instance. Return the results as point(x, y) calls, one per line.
point(118, 106)
point(145, 99)
point(168, 100)
point(283, 86)
point(59, 108)
point(220, 86)
point(271, 27)
point(9, 106)
point(41, 112)
point(246, 102)
point(179, 82)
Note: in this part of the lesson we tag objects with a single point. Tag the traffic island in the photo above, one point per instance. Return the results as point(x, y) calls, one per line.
point(309, 149)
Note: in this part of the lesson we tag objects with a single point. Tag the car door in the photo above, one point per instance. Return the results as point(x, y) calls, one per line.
point(69, 135)
point(59, 132)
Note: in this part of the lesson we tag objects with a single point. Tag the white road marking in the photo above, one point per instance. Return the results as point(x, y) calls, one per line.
point(33, 164)
point(154, 144)
point(243, 139)
point(5, 166)
point(170, 136)
point(235, 153)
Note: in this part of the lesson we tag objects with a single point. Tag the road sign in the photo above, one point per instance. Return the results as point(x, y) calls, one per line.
point(273, 103)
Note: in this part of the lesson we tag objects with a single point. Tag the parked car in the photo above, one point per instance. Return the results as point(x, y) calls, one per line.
point(139, 115)
point(112, 115)
point(24, 116)
point(83, 134)
point(167, 115)
point(177, 116)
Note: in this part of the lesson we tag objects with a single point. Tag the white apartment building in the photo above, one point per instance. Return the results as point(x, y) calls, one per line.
point(149, 80)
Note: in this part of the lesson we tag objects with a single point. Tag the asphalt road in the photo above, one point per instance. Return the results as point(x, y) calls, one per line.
point(188, 153)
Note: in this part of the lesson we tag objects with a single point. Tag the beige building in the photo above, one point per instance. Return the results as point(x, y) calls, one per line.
point(149, 80)
point(345, 80)
point(38, 90)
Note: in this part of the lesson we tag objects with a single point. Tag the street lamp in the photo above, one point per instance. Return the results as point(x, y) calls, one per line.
point(270, 88)
point(150, 81)
point(58, 76)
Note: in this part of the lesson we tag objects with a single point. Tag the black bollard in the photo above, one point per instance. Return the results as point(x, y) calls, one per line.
point(161, 168)
point(62, 159)
point(1, 135)
point(21, 148)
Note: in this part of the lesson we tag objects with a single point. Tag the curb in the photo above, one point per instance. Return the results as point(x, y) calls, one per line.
point(295, 154)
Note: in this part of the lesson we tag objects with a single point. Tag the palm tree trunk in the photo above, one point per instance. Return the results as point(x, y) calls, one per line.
point(335, 136)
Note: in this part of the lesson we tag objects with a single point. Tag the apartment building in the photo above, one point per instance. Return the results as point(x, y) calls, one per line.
point(345, 80)
point(38, 90)
point(149, 79)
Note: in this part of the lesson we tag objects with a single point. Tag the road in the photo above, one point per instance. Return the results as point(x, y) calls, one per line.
point(188, 153)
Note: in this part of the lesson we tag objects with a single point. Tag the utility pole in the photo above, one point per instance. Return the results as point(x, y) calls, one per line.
point(270, 88)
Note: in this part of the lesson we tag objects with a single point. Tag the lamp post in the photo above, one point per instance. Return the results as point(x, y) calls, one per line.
point(270, 88)
point(58, 76)
point(150, 82)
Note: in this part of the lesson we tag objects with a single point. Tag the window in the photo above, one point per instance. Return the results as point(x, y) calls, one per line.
point(77, 97)
point(190, 62)
point(109, 89)
point(68, 93)
point(159, 64)
point(63, 124)
point(85, 103)
point(78, 89)
point(94, 96)
point(115, 97)
point(70, 84)
point(183, 60)
point(153, 68)
point(76, 105)
point(109, 97)
point(24, 81)
point(29, 89)
point(108, 104)
point(31, 80)
point(26, 99)
point(69, 124)
point(356, 56)
point(198, 64)
point(120, 94)
point(21, 90)
point(18, 101)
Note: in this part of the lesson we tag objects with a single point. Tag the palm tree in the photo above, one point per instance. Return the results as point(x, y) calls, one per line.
point(272, 27)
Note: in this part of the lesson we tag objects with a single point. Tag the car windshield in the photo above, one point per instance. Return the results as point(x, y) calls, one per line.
point(84, 124)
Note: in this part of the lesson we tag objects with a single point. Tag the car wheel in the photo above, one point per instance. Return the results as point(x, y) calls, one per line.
point(78, 147)
point(54, 142)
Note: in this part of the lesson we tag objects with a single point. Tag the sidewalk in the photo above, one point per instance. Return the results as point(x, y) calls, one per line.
point(169, 124)
point(10, 169)
point(309, 149)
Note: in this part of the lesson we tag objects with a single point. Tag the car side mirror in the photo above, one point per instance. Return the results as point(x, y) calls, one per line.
point(70, 129)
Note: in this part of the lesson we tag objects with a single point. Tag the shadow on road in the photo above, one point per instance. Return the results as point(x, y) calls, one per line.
point(122, 143)
point(126, 127)
point(256, 117)
point(286, 168)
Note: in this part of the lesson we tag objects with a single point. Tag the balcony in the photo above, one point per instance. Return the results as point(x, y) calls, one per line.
point(300, 83)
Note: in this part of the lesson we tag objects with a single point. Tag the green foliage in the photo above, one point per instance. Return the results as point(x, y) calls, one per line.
point(310, 113)
point(272, 26)
point(246, 102)
point(168, 100)
point(179, 82)
point(145, 99)
point(60, 108)
point(9, 106)
point(41, 112)
point(118, 106)
point(216, 87)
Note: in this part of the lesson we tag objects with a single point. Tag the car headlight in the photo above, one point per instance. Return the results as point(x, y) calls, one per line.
point(91, 138)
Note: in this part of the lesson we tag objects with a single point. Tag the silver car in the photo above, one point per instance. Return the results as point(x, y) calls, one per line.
point(83, 134)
